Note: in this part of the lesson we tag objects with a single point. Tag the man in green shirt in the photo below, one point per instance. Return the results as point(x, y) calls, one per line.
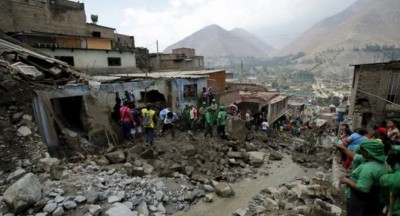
point(208, 123)
point(221, 120)
point(186, 117)
point(362, 186)
point(392, 180)
point(214, 108)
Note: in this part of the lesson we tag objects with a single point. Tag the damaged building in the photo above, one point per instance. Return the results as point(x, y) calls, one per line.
point(375, 94)
point(181, 59)
point(58, 28)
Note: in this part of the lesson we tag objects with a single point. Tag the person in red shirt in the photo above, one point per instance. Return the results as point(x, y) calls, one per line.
point(127, 120)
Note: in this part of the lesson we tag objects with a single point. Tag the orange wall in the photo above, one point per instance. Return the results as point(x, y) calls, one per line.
point(217, 81)
point(98, 43)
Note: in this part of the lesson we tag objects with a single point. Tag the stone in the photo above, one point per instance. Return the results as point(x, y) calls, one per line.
point(300, 190)
point(59, 211)
point(92, 197)
point(24, 131)
point(188, 150)
point(118, 209)
point(148, 154)
point(159, 195)
point(80, 199)
point(237, 129)
point(142, 209)
point(148, 169)
point(224, 190)
point(189, 170)
point(102, 161)
point(16, 117)
point(152, 208)
point(208, 197)
point(256, 158)
point(50, 207)
point(289, 206)
point(274, 155)
point(113, 199)
point(240, 212)
point(42, 214)
point(304, 210)
point(25, 192)
point(208, 188)
point(333, 209)
point(116, 157)
point(59, 199)
point(128, 204)
point(138, 171)
point(319, 175)
point(58, 172)
point(234, 154)
point(94, 209)
point(270, 204)
point(69, 205)
point(16, 175)
point(104, 195)
point(47, 162)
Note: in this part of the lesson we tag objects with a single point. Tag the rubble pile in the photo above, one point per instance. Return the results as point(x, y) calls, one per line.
point(304, 196)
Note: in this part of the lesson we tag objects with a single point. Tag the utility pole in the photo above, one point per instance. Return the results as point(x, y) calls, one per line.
point(241, 71)
point(158, 56)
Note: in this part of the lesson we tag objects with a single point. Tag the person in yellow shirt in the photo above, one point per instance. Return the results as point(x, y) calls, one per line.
point(148, 123)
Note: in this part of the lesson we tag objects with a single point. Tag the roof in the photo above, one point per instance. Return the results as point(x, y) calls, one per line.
point(397, 63)
point(265, 96)
point(279, 98)
point(291, 103)
point(92, 24)
point(173, 74)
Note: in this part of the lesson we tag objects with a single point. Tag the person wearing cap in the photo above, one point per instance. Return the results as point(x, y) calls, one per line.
point(392, 180)
point(362, 186)
point(214, 109)
point(208, 122)
point(221, 120)
point(202, 112)
point(193, 117)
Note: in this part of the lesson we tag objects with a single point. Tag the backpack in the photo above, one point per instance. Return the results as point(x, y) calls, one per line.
point(146, 119)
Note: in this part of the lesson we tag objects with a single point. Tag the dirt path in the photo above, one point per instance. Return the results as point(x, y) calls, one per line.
point(248, 188)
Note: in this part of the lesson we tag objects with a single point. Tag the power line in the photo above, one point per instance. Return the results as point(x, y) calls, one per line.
point(376, 96)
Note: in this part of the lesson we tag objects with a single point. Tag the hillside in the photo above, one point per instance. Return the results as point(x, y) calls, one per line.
point(214, 41)
point(253, 40)
point(365, 22)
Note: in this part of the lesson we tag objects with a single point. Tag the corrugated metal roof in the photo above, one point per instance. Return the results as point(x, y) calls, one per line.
point(104, 78)
point(164, 75)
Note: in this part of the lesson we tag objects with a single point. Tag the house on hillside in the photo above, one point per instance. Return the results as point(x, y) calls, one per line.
point(183, 59)
point(375, 93)
point(58, 28)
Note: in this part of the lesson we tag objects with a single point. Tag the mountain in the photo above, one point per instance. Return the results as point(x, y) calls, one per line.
point(214, 41)
point(365, 22)
point(253, 40)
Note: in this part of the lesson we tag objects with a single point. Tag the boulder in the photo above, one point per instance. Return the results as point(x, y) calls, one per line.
point(118, 209)
point(300, 190)
point(188, 150)
point(69, 205)
point(240, 212)
point(116, 157)
point(148, 154)
point(208, 198)
point(102, 161)
point(94, 209)
point(138, 171)
point(148, 169)
point(59, 211)
point(256, 158)
point(270, 204)
point(237, 129)
point(274, 155)
point(24, 131)
point(58, 172)
point(50, 207)
point(80, 199)
point(234, 154)
point(47, 162)
point(142, 209)
point(224, 190)
point(23, 193)
point(16, 175)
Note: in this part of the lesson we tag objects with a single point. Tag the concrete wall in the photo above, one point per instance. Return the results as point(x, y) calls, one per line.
point(227, 97)
point(51, 16)
point(91, 61)
point(106, 32)
point(276, 108)
point(189, 52)
point(98, 43)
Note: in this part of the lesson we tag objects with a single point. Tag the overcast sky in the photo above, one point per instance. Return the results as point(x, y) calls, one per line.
point(168, 21)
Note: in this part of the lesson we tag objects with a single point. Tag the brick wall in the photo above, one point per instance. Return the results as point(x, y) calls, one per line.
point(217, 81)
point(227, 97)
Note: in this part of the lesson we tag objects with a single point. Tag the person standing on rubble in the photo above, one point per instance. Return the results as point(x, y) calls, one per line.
point(169, 123)
point(193, 118)
point(247, 120)
point(204, 95)
point(126, 120)
point(208, 122)
point(148, 122)
point(362, 186)
point(392, 130)
point(202, 112)
point(221, 121)
point(186, 117)
point(136, 124)
point(214, 109)
point(392, 180)
point(264, 126)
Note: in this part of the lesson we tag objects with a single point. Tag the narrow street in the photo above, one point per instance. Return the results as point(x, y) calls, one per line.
point(247, 188)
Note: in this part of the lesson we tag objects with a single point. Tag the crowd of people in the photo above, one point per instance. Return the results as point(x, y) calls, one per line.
point(372, 161)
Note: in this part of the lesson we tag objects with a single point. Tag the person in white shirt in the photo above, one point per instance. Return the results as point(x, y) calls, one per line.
point(265, 126)
point(248, 119)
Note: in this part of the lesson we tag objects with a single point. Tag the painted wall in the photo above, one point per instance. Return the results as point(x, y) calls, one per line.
point(90, 60)
point(217, 81)
point(98, 43)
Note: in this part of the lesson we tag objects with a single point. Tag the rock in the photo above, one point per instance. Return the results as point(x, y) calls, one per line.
point(300, 190)
point(95, 209)
point(234, 154)
point(116, 157)
point(188, 150)
point(118, 209)
point(289, 206)
point(208, 188)
point(42, 214)
point(333, 209)
point(256, 158)
point(128, 204)
point(113, 199)
point(24, 131)
point(159, 195)
point(59, 199)
point(148, 169)
point(260, 209)
point(16, 175)
point(69, 205)
point(161, 208)
point(208, 198)
point(47, 162)
point(50, 207)
point(152, 208)
point(58, 172)
point(142, 209)
point(304, 210)
point(189, 170)
point(80, 199)
point(59, 211)
point(274, 155)
point(102, 161)
point(92, 197)
point(237, 129)
point(240, 212)
point(224, 190)
point(23, 193)
point(138, 171)
point(148, 154)
point(270, 204)
point(319, 175)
